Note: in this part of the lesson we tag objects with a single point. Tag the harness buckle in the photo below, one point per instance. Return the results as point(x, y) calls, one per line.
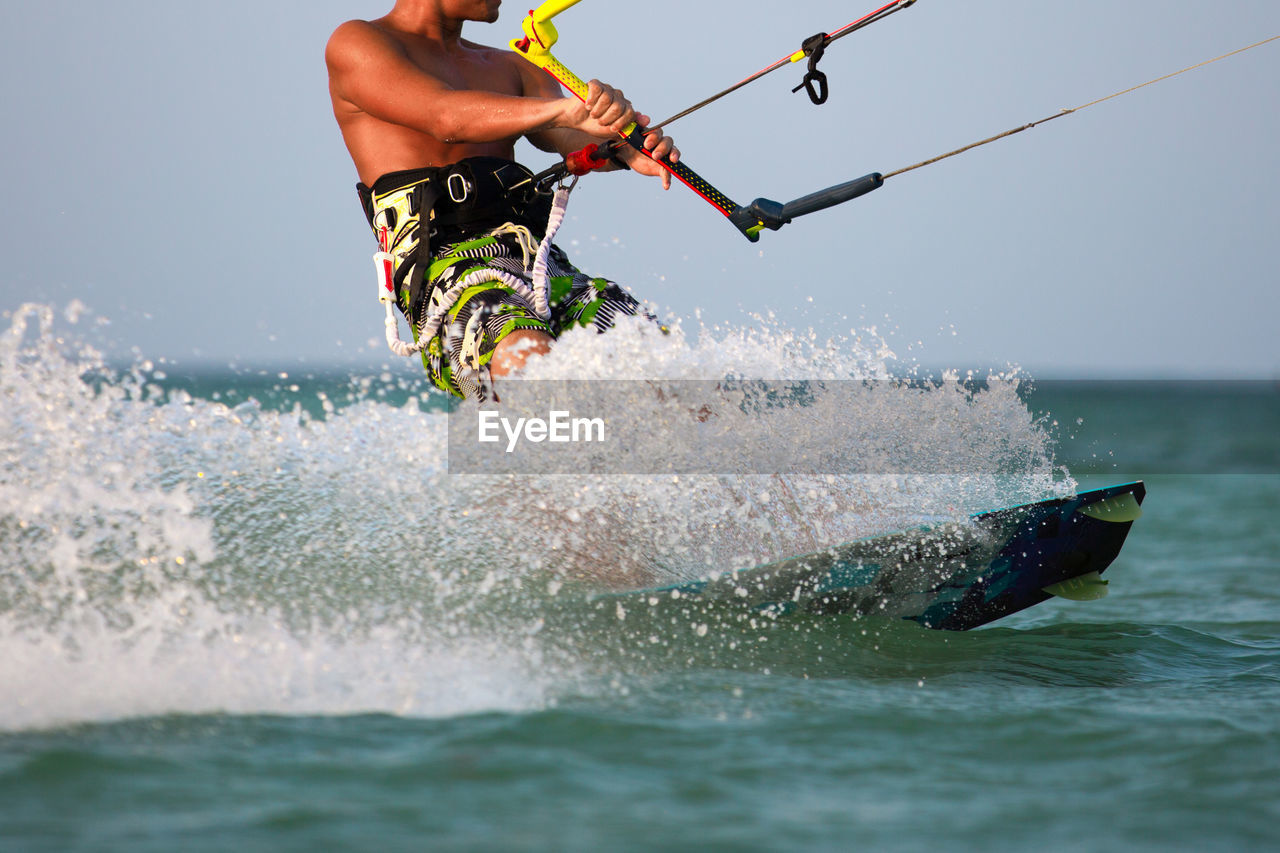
point(462, 191)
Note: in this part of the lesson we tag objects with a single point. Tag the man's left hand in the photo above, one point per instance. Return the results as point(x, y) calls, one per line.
point(659, 146)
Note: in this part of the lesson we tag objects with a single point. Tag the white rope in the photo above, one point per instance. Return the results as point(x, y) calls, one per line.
point(436, 317)
point(523, 236)
point(385, 264)
point(394, 343)
point(540, 276)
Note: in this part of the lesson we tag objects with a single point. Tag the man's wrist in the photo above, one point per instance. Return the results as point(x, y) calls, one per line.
point(614, 157)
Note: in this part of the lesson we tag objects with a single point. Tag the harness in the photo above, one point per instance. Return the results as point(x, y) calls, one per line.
point(465, 199)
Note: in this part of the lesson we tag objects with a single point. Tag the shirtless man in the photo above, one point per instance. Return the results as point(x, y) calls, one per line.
point(431, 120)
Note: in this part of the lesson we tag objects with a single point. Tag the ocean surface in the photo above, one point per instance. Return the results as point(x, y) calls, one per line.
point(253, 610)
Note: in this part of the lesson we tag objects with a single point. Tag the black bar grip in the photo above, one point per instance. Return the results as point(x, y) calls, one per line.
point(685, 175)
point(766, 213)
point(831, 196)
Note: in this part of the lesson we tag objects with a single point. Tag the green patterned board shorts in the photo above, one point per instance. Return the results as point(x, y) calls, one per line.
point(457, 358)
point(480, 219)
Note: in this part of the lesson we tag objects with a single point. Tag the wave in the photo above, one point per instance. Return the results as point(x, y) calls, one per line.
point(166, 551)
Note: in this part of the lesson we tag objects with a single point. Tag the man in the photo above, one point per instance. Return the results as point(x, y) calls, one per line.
point(431, 120)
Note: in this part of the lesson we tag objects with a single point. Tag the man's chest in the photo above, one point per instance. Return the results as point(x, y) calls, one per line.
point(471, 71)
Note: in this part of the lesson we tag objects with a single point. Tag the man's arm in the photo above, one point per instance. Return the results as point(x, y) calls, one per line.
point(539, 84)
point(369, 70)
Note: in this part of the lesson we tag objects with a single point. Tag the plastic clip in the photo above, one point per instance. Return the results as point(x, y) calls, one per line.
point(814, 47)
point(386, 266)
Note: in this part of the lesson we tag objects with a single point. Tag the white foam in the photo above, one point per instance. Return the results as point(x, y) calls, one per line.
point(189, 657)
point(187, 556)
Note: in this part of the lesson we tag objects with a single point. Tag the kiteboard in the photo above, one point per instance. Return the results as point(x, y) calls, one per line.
point(952, 576)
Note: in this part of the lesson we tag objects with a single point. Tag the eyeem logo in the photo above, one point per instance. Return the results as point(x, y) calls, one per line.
point(559, 428)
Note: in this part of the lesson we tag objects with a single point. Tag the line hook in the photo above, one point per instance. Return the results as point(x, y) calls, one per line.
point(814, 47)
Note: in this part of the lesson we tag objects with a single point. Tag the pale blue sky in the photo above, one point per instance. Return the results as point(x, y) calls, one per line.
point(176, 167)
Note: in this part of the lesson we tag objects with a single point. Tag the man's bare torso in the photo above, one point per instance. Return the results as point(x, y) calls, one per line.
point(409, 92)
point(378, 146)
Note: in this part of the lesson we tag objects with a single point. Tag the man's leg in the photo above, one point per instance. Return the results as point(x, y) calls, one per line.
point(516, 348)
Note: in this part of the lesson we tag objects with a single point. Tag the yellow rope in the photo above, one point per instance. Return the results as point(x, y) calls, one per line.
point(973, 145)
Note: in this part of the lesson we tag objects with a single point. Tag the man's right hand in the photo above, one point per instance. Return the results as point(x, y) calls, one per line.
point(605, 114)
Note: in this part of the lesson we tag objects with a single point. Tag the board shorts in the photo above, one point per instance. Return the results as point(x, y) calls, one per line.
point(483, 215)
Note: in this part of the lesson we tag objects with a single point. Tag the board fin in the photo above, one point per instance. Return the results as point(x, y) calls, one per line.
point(1087, 587)
point(1119, 508)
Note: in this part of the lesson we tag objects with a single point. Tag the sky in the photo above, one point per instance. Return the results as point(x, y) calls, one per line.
point(176, 167)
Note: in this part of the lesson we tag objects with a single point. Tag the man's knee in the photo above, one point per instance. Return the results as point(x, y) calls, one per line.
point(517, 347)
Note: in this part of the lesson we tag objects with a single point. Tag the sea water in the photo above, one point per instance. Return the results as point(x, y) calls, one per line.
point(255, 610)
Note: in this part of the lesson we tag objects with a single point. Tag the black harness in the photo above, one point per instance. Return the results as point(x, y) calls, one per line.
point(459, 201)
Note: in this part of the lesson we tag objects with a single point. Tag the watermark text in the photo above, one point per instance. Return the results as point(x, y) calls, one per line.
point(559, 427)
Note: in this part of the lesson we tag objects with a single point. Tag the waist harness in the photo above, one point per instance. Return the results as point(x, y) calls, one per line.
point(456, 201)
point(410, 209)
